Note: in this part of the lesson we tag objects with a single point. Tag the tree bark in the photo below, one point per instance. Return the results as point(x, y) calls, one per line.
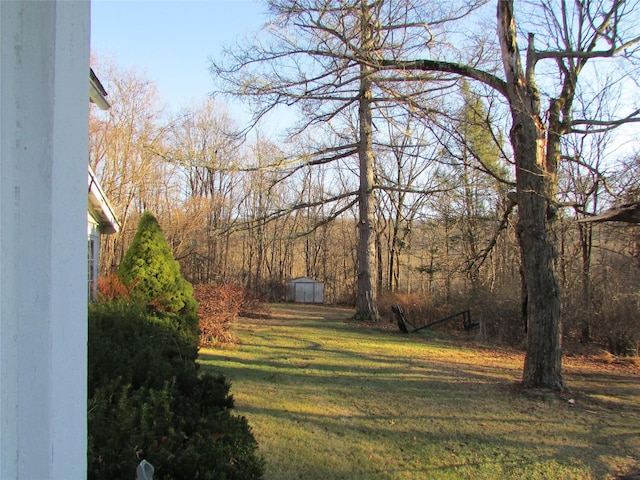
point(536, 190)
point(366, 296)
point(535, 186)
point(543, 361)
point(366, 306)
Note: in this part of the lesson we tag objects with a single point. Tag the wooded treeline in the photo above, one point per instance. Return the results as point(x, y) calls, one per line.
point(450, 240)
point(399, 163)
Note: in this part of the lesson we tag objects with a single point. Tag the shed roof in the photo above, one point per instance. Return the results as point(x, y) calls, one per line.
point(303, 280)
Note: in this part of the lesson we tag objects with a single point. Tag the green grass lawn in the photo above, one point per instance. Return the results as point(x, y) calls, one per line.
point(331, 399)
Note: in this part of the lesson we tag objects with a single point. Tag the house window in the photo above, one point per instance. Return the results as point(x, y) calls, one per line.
point(93, 267)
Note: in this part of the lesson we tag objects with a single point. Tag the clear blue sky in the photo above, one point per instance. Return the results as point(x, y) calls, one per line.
point(171, 41)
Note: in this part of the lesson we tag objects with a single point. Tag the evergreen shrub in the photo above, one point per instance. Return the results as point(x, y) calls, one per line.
point(153, 275)
point(149, 400)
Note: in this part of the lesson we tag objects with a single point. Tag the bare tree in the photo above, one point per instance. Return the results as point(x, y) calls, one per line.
point(574, 34)
point(322, 58)
point(202, 143)
point(122, 144)
point(404, 170)
point(582, 183)
point(476, 156)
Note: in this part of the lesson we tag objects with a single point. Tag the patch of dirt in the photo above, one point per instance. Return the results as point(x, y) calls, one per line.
point(604, 365)
point(576, 355)
point(633, 475)
point(255, 315)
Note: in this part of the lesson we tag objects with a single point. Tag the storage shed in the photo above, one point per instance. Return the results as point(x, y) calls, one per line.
point(304, 290)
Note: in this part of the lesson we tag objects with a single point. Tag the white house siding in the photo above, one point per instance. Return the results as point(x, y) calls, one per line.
point(44, 59)
point(101, 219)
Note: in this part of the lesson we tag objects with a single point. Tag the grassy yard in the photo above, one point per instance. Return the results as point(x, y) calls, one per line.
point(330, 399)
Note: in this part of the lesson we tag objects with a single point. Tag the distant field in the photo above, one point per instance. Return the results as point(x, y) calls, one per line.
point(331, 399)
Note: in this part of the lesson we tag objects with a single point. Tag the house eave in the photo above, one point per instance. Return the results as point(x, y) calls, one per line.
point(100, 207)
point(97, 93)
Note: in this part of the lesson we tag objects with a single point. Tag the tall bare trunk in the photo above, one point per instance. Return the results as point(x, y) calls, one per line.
point(366, 308)
point(535, 184)
point(587, 313)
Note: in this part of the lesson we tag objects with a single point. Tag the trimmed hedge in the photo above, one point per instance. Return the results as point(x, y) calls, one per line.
point(147, 397)
point(148, 400)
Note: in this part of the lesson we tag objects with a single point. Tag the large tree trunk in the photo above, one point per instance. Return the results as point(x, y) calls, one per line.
point(366, 307)
point(543, 361)
point(535, 184)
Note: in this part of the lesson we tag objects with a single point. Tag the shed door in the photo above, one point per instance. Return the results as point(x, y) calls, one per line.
point(308, 293)
point(304, 294)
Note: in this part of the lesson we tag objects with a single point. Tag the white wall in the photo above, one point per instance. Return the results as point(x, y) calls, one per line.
point(44, 92)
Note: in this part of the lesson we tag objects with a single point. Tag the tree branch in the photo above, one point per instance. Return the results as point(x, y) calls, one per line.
point(477, 262)
point(446, 67)
point(607, 124)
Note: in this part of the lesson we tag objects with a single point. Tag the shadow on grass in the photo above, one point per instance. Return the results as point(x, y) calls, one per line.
point(330, 400)
point(424, 445)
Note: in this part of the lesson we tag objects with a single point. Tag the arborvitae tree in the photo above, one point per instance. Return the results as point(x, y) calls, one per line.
point(151, 272)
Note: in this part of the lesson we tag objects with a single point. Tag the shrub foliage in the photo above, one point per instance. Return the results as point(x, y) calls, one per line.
point(147, 397)
point(111, 286)
point(153, 275)
point(148, 400)
point(218, 308)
